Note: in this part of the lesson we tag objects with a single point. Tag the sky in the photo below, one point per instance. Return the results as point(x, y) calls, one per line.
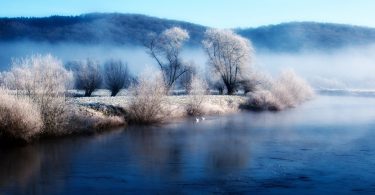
point(213, 13)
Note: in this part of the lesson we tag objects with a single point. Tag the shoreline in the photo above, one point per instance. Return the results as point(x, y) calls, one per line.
point(175, 106)
point(105, 113)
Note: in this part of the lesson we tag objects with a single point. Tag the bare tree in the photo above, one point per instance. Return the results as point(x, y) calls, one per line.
point(88, 77)
point(165, 49)
point(229, 55)
point(116, 76)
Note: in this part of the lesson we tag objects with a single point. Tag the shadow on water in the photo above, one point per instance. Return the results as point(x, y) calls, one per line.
point(323, 146)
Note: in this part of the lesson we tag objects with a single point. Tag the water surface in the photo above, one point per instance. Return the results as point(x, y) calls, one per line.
point(325, 146)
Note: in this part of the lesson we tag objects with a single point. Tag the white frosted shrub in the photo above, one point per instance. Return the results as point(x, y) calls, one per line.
point(198, 90)
point(291, 90)
point(39, 75)
point(148, 98)
point(263, 100)
point(20, 118)
point(43, 79)
point(288, 90)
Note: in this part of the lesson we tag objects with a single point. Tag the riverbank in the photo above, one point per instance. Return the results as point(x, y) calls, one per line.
point(175, 105)
point(90, 115)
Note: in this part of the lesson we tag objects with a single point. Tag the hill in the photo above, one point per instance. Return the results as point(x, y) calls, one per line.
point(296, 36)
point(130, 29)
point(94, 28)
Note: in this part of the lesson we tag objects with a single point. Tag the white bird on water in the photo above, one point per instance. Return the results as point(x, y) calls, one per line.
point(197, 120)
point(203, 118)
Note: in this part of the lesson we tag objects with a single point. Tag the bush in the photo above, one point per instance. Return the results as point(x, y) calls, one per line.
point(198, 89)
point(20, 118)
point(44, 80)
point(148, 97)
point(38, 76)
point(289, 90)
point(262, 100)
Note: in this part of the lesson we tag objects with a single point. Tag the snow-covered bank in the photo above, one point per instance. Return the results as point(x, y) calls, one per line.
point(213, 104)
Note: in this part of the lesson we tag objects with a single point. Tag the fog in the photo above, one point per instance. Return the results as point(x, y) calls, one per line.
point(135, 56)
point(343, 68)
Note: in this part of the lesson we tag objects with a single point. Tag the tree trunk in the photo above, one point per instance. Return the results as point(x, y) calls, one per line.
point(221, 91)
point(231, 91)
point(88, 93)
point(114, 92)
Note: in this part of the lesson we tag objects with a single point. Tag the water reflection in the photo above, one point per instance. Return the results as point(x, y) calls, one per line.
point(18, 166)
point(228, 155)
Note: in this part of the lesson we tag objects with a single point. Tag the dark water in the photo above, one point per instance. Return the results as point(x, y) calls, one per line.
point(325, 146)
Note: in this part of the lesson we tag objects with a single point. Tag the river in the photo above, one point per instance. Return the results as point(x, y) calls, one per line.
point(324, 146)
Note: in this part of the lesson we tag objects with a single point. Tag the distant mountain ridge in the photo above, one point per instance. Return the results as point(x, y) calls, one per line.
point(131, 29)
point(296, 36)
point(91, 28)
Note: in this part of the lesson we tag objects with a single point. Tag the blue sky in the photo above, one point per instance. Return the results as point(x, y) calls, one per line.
point(214, 13)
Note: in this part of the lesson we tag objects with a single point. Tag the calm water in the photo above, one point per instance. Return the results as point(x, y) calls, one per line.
point(324, 146)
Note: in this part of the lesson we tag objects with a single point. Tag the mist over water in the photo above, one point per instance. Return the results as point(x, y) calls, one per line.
point(344, 68)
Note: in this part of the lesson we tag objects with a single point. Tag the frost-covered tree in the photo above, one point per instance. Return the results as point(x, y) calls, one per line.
point(165, 48)
point(88, 76)
point(116, 76)
point(229, 55)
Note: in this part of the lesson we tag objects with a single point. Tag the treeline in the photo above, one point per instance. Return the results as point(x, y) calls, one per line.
point(95, 28)
point(302, 36)
point(129, 29)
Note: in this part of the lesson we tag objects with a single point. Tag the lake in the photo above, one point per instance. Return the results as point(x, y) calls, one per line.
point(324, 146)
